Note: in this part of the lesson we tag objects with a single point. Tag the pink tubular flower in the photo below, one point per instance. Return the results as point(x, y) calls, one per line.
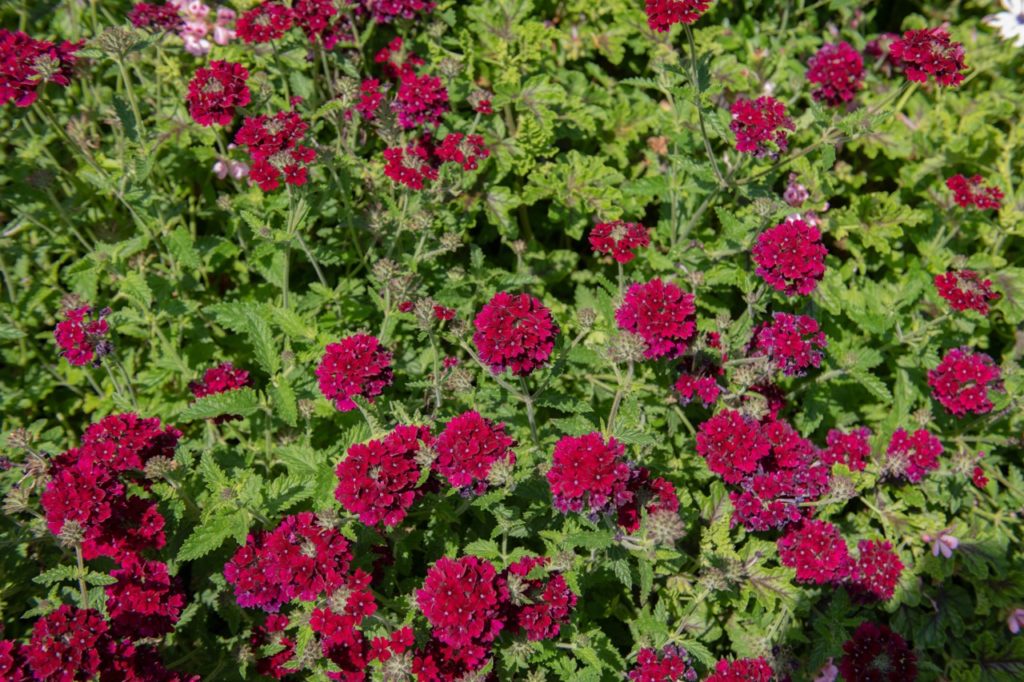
point(26, 64)
point(973, 192)
point(275, 145)
point(355, 366)
point(66, 644)
point(851, 448)
point(163, 17)
point(589, 475)
point(300, 558)
point(741, 670)
point(663, 14)
point(82, 340)
point(144, 602)
point(942, 543)
point(877, 570)
point(817, 551)
point(420, 100)
point(962, 381)
point(790, 257)
point(467, 449)
point(387, 11)
point(662, 314)
point(265, 22)
point(838, 72)
point(461, 599)
point(877, 654)
point(127, 442)
point(965, 290)
point(670, 664)
point(537, 606)
point(378, 480)
point(215, 92)
point(913, 456)
point(760, 126)
point(465, 150)
point(1015, 621)
point(792, 342)
point(930, 52)
point(732, 445)
point(619, 239)
point(411, 166)
point(514, 331)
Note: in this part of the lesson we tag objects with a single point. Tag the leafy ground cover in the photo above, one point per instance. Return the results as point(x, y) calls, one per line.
point(512, 339)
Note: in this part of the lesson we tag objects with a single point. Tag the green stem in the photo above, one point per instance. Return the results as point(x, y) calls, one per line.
point(82, 587)
point(131, 98)
point(617, 401)
point(700, 109)
point(530, 413)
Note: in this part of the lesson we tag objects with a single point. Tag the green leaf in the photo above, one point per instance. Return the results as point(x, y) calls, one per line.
point(241, 402)
point(179, 243)
point(211, 534)
point(283, 397)
point(134, 286)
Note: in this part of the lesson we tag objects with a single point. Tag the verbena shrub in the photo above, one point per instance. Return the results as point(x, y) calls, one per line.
point(425, 340)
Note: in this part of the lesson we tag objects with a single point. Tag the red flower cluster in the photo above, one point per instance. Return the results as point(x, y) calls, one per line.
point(741, 670)
point(214, 92)
point(386, 11)
point(336, 625)
point(877, 654)
point(27, 63)
point(370, 98)
point(421, 100)
point(83, 340)
point(962, 380)
point(913, 456)
point(355, 366)
point(619, 239)
point(670, 664)
point(838, 71)
point(164, 17)
point(973, 192)
point(662, 314)
point(514, 332)
point(378, 479)
point(411, 166)
point(224, 377)
point(467, 449)
point(877, 570)
point(275, 145)
point(663, 14)
point(965, 290)
point(298, 559)
point(760, 126)
point(792, 342)
point(265, 22)
point(817, 551)
point(930, 52)
point(790, 257)
point(538, 607)
point(126, 442)
point(465, 150)
point(732, 445)
point(705, 388)
point(316, 19)
point(269, 634)
point(144, 602)
point(851, 449)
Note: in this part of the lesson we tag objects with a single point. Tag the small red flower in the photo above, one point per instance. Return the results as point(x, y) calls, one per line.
point(215, 92)
point(965, 290)
point(26, 64)
point(790, 257)
point(271, 633)
point(973, 192)
point(370, 98)
point(792, 342)
point(316, 18)
point(467, 449)
point(265, 22)
point(663, 14)
point(387, 11)
point(930, 52)
point(461, 599)
point(741, 670)
point(163, 17)
point(144, 602)
point(838, 72)
point(913, 456)
point(66, 640)
point(355, 366)
point(732, 445)
point(411, 166)
point(125, 442)
point(978, 478)
point(877, 654)
point(619, 239)
point(704, 388)
point(83, 340)
point(420, 100)
point(275, 145)
point(465, 150)
point(589, 475)
point(851, 448)
point(669, 664)
point(817, 551)
point(537, 606)
point(662, 314)
point(962, 381)
point(760, 126)
point(877, 570)
point(514, 331)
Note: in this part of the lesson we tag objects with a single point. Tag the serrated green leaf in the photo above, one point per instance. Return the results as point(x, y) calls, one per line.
point(240, 401)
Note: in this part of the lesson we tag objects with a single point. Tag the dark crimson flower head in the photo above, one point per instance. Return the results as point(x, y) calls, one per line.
point(265, 22)
point(68, 639)
point(793, 342)
point(790, 257)
point(272, 632)
point(662, 314)
point(877, 654)
point(411, 166)
point(467, 449)
point(215, 92)
point(741, 670)
point(144, 602)
point(930, 52)
point(877, 570)
point(275, 145)
point(462, 600)
point(379, 480)
point(663, 14)
point(465, 150)
point(589, 475)
point(370, 98)
point(163, 17)
point(760, 126)
point(537, 606)
point(82, 337)
point(851, 448)
point(702, 387)
point(913, 456)
point(619, 239)
point(26, 64)
point(420, 101)
point(817, 551)
point(732, 445)
point(125, 442)
point(837, 70)
point(514, 331)
point(962, 381)
point(316, 18)
point(965, 290)
point(387, 11)
point(669, 664)
point(355, 366)
point(973, 192)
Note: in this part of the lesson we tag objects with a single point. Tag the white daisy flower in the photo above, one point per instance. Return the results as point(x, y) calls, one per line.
point(1011, 22)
